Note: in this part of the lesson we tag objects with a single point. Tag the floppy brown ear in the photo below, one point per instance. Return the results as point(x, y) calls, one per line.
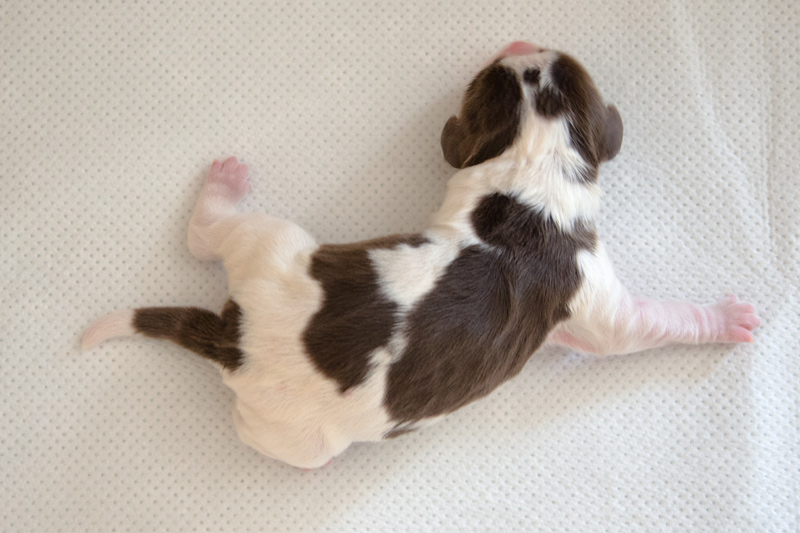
point(612, 138)
point(452, 140)
point(462, 149)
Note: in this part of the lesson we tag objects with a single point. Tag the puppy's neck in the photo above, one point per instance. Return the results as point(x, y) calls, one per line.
point(541, 170)
point(547, 140)
point(546, 172)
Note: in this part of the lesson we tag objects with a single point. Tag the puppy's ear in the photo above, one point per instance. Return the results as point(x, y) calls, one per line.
point(464, 148)
point(452, 139)
point(612, 138)
point(489, 121)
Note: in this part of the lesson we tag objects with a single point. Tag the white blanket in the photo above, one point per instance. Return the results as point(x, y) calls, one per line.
point(111, 114)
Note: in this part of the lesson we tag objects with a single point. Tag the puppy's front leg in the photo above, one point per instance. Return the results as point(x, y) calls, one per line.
point(606, 319)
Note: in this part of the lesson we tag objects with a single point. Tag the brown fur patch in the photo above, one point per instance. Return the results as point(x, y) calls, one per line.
point(490, 310)
point(215, 337)
point(355, 318)
point(595, 129)
point(489, 121)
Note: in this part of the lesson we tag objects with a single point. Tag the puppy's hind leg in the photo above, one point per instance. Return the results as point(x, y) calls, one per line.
point(225, 186)
point(251, 244)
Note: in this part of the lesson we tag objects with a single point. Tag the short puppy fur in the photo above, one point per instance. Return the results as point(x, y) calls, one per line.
point(326, 345)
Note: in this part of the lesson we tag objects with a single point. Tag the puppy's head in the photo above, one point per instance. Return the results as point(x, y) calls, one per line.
point(523, 85)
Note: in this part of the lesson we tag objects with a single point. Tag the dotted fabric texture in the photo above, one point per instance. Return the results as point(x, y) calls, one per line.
point(113, 111)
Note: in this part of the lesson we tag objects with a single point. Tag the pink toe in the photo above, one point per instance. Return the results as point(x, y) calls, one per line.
point(752, 321)
point(742, 335)
point(242, 171)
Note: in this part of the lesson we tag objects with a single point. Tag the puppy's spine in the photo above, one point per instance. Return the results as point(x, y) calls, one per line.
point(215, 337)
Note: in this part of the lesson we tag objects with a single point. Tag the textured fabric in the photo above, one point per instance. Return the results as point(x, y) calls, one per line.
point(111, 114)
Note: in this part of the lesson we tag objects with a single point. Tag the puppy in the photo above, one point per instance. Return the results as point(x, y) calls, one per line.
point(325, 345)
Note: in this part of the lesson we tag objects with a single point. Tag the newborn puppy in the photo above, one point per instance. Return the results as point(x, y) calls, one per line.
point(325, 345)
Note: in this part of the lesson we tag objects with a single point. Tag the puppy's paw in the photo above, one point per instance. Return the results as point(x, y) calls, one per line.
point(229, 179)
point(737, 320)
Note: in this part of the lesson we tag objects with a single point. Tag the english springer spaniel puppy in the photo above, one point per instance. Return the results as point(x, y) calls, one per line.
point(326, 345)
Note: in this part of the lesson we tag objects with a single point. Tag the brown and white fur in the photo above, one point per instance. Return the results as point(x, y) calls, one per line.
point(326, 345)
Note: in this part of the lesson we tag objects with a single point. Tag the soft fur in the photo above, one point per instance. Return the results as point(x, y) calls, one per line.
point(327, 345)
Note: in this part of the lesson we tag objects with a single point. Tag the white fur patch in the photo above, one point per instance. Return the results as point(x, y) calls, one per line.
point(407, 273)
point(595, 307)
point(540, 60)
point(549, 175)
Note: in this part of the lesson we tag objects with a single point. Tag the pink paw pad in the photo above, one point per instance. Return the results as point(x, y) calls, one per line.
point(229, 178)
point(739, 320)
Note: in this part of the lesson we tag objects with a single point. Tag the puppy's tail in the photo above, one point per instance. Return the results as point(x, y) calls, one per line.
point(117, 324)
point(215, 337)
